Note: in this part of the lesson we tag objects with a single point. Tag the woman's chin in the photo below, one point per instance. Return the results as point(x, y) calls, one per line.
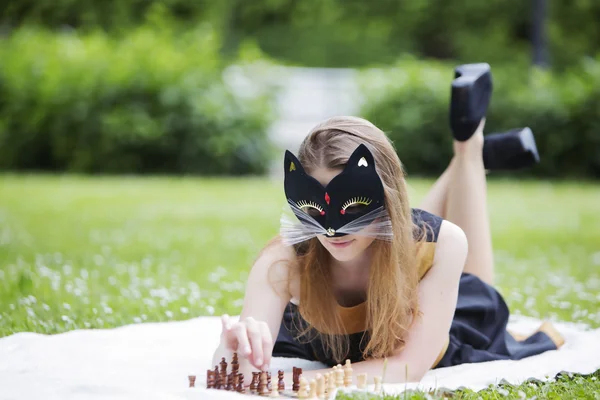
point(346, 252)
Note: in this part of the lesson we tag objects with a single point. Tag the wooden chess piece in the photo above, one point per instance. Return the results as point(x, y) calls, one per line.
point(269, 386)
point(263, 388)
point(312, 395)
point(241, 388)
point(361, 381)
point(210, 382)
point(331, 383)
point(320, 387)
point(339, 377)
point(377, 381)
point(235, 381)
point(347, 374)
point(281, 382)
point(296, 379)
point(303, 389)
point(228, 385)
point(223, 373)
point(235, 365)
point(217, 378)
point(192, 379)
point(254, 383)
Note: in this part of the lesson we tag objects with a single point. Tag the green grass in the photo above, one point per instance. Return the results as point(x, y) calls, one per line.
point(81, 252)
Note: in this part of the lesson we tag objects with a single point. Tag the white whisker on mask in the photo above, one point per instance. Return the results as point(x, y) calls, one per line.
point(376, 224)
point(293, 231)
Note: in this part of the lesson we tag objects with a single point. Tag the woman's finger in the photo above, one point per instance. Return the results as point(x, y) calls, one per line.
point(225, 321)
point(267, 343)
point(255, 337)
point(241, 336)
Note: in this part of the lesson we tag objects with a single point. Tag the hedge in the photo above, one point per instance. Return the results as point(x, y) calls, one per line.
point(411, 103)
point(152, 101)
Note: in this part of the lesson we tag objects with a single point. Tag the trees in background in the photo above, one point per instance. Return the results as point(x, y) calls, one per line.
point(342, 33)
point(138, 86)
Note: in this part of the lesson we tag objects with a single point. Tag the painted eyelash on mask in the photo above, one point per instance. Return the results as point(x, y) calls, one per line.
point(375, 224)
point(311, 204)
point(353, 201)
point(292, 231)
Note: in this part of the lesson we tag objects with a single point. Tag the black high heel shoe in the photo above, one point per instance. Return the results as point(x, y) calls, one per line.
point(510, 150)
point(471, 93)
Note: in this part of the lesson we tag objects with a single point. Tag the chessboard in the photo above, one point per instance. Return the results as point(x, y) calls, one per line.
point(325, 385)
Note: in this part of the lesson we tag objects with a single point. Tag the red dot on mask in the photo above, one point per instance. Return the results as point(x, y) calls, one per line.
point(327, 198)
point(322, 212)
point(342, 212)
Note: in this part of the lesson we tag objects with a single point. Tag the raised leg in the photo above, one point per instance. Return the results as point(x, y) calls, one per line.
point(435, 200)
point(466, 204)
point(460, 196)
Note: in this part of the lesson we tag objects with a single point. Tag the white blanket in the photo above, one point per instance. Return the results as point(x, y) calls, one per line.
point(153, 360)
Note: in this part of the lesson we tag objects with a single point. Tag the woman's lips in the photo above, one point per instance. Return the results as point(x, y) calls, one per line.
point(340, 245)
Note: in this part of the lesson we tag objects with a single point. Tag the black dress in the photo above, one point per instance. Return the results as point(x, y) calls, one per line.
point(478, 332)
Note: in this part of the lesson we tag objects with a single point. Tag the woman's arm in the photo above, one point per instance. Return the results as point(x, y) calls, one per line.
point(265, 300)
point(438, 293)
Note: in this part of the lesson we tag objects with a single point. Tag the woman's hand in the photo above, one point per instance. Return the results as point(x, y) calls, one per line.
point(251, 339)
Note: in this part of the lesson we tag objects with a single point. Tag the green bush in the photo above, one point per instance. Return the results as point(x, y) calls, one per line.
point(346, 33)
point(411, 103)
point(151, 101)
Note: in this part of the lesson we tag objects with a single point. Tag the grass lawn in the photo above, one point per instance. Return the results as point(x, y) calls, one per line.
point(81, 252)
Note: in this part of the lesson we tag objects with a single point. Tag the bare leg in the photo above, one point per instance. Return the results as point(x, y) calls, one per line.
point(435, 200)
point(466, 204)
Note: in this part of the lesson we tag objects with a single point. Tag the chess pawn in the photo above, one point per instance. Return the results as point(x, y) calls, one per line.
point(269, 386)
point(235, 365)
point(297, 376)
point(217, 378)
point(254, 383)
point(223, 373)
point(263, 387)
point(331, 383)
point(320, 387)
point(192, 379)
point(303, 389)
point(241, 388)
point(313, 390)
point(347, 374)
point(339, 377)
point(210, 379)
point(361, 381)
point(280, 382)
point(229, 382)
point(377, 381)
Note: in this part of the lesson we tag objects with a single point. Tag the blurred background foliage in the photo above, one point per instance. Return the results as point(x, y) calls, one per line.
point(138, 85)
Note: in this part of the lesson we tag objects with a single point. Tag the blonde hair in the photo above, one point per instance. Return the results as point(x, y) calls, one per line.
point(391, 301)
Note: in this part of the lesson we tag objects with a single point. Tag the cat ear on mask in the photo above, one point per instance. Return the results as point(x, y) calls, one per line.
point(291, 163)
point(361, 158)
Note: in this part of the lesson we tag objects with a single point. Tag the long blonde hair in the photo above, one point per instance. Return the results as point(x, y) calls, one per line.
point(391, 300)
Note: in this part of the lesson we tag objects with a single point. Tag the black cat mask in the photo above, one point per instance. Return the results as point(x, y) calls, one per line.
point(352, 203)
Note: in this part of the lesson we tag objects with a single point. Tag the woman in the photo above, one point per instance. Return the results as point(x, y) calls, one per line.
point(401, 285)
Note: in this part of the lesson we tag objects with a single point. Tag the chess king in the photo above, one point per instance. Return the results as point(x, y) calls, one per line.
point(357, 273)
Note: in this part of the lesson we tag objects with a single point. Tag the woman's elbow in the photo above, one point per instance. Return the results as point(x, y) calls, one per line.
point(402, 372)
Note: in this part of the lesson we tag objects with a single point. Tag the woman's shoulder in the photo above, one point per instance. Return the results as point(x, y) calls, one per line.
point(439, 239)
point(276, 262)
point(427, 226)
point(277, 249)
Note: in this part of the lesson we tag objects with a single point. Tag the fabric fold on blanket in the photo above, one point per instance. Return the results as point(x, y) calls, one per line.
point(153, 360)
